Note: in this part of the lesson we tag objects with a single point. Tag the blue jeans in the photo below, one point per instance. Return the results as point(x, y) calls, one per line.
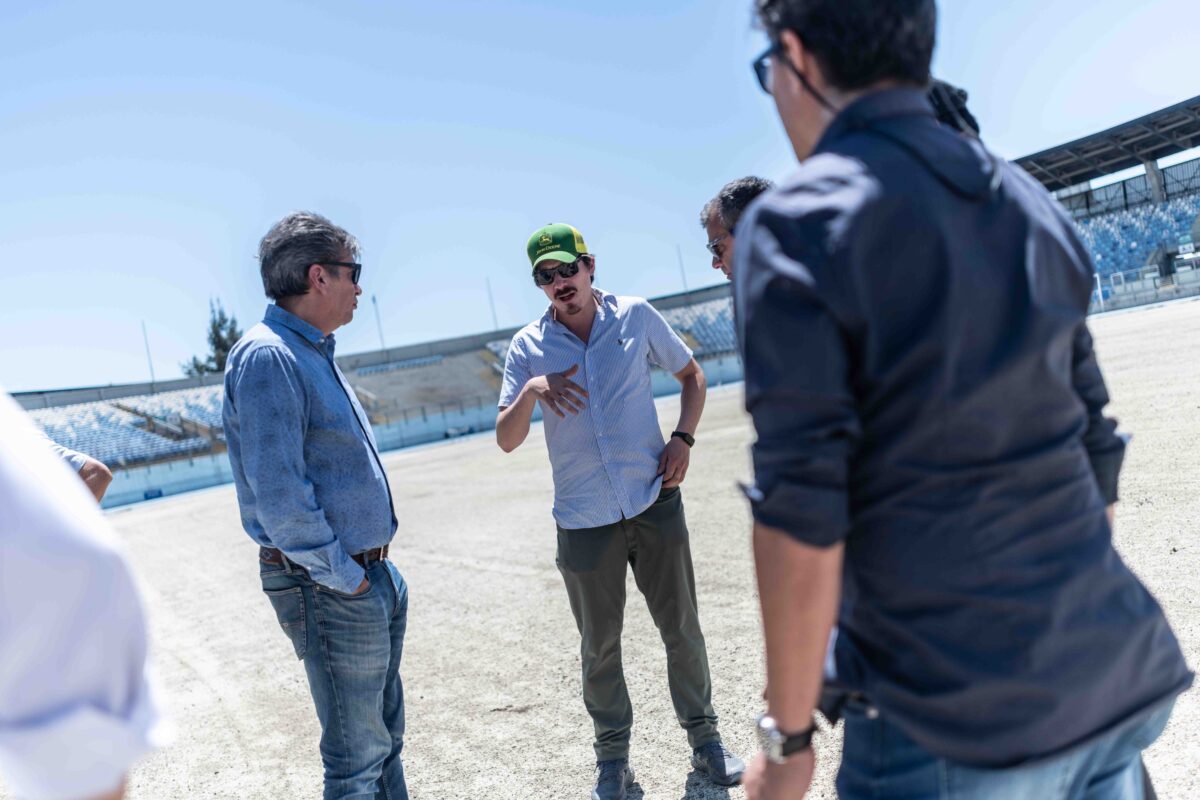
point(878, 761)
point(351, 649)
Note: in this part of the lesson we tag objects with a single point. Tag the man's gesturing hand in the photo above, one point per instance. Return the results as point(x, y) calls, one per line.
point(559, 392)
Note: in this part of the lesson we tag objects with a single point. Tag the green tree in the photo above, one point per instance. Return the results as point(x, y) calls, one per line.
point(223, 333)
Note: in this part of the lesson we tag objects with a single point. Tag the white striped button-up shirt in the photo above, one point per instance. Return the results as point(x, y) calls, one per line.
point(604, 459)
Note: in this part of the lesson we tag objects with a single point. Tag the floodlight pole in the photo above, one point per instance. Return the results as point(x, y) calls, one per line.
point(378, 323)
point(682, 274)
point(149, 361)
point(492, 301)
point(1099, 291)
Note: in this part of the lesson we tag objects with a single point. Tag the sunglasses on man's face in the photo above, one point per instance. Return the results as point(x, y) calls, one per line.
point(762, 67)
point(716, 246)
point(545, 277)
point(355, 268)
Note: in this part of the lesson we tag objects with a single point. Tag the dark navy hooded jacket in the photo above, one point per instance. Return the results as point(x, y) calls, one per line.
point(911, 312)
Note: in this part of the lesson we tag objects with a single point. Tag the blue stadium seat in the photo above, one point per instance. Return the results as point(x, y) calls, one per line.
point(1121, 241)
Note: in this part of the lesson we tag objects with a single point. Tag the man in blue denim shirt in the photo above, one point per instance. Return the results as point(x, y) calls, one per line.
point(933, 466)
point(314, 496)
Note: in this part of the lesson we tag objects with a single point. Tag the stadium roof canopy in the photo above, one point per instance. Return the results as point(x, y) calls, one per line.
point(1130, 144)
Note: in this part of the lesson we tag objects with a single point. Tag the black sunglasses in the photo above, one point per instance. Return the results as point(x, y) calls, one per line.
point(762, 71)
point(545, 277)
point(762, 67)
point(356, 268)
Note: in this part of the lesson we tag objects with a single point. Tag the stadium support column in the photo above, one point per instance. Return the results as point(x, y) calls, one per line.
point(1154, 177)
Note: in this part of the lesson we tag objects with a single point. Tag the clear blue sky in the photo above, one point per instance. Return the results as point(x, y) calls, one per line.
point(145, 147)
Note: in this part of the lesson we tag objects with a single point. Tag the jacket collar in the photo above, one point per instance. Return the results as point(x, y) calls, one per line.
point(905, 118)
point(874, 107)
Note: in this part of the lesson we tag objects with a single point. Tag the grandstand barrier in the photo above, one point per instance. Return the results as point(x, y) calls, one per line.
point(1146, 291)
point(405, 429)
point(151, 481)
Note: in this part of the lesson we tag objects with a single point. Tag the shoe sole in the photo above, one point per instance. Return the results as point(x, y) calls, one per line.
point(702, 768)
point(629, 779)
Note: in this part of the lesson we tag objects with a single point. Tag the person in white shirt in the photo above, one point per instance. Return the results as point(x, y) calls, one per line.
point(76, 706)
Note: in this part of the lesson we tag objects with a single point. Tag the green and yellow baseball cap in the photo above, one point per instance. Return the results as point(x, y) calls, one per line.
point(558, 242)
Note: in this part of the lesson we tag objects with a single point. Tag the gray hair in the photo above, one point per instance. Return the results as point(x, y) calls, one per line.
point(295, 243)
point(731, 201)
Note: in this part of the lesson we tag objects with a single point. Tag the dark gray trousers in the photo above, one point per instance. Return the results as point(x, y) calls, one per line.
point(592, 562)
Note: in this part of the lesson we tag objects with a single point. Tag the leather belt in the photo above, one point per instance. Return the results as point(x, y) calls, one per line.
point(269, 555)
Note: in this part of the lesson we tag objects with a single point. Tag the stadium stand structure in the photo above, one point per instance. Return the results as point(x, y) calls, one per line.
point(199, 407)
point(1139, 142)
point(115, 435)
point(707, 325)
point(388, 390)
point(1140, 230)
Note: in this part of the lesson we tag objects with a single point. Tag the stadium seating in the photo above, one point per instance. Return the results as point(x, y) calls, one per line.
point(109, 434)
point(499, 348)
point(709, 324)
point(1121, 241)
point(426, 381)
point(202, 405)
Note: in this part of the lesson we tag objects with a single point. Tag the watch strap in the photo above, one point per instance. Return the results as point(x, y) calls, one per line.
point(795, 742)
point(688, 439)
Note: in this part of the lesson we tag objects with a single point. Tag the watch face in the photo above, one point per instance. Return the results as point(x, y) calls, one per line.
point(770, 739)
point(776, 745)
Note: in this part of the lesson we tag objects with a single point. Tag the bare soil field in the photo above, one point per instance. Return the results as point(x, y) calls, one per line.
point(491, 664)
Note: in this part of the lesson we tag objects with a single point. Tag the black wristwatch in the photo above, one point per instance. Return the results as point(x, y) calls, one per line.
point(688, 439)
point(777, 745)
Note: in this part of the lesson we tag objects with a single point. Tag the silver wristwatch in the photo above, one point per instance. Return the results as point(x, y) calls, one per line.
point(778, 745)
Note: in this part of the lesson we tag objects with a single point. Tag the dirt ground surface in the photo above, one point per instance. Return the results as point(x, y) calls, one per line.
point(491, 663)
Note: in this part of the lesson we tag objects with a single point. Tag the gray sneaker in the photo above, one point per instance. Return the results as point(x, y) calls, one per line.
point(721, 766)
point(613, 778)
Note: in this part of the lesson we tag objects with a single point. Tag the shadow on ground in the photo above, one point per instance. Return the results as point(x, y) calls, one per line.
point(699, 787)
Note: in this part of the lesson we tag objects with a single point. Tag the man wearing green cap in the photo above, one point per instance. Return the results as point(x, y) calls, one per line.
point(587, 363)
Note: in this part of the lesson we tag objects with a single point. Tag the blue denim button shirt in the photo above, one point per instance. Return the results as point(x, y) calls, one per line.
point(305, 463)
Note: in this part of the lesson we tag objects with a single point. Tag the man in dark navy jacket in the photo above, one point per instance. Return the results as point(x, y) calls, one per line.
point(933, 468)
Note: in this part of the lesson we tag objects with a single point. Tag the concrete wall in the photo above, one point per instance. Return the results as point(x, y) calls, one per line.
point(1149, 290)
point(172, 477)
